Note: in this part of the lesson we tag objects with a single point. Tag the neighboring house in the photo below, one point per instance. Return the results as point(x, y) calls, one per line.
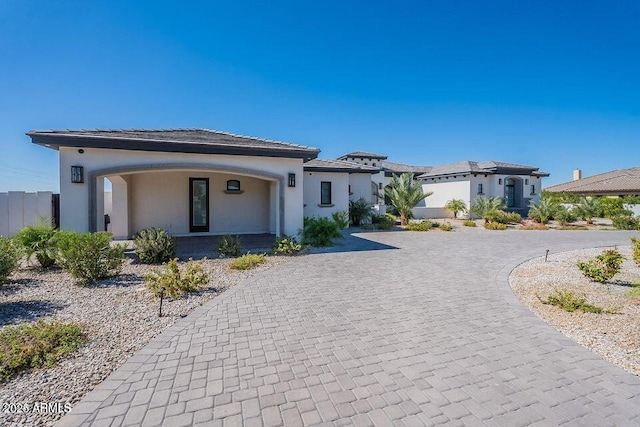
point(329, 185)
point(183, 180)
point(518, 185)
point(621, 182)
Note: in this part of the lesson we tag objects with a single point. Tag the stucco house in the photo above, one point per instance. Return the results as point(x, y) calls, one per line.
point(184, 180)
point(517, 184)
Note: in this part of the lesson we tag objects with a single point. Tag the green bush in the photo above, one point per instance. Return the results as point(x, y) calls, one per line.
point(469, 223)
point(446, 227)
point(175, 281)
point(341, 218)
point(613, 207)
point(41, 241)
point(38, 344)
point(419, 226)
point(154, 246)
point(570, 302)
point(513, 217)
point(634, 292)
point(359, 211)
point(483, 206)
point(89, 257)
point(603, 267)
point(636, 250)
point(564, 216)
point(543, 211)
point(9, 258)
point(495, 226)
point(229, 246)
point(247, 261)
point(320, 231)
point(624, 222)
point(589, 208)
point(383, 222)
point(286, 245)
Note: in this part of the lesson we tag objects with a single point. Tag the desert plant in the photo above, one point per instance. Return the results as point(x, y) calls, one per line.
point(634, 292)
point(89, 257)
point(589, 208)
point(286, 245)
point(624, 222)
point(533, 226)
point(247, 261)
point(229, 246)
point(614, 206)
point(34, 345)
point(456, 205)
point(543, 211)
point(154, 245)
point(419, 226)
point(320, 231)
point(446, 227)
point(359, 211)
point(636, 250)
point(603, 267)
point(564, 216)
point(485, 207)
point(495, 226)
point(405, 194)
point(173, 281)
point(39, 240)
point(570, 302)
point(10, 256)
point(382, 222)
point(469, 223)
point(341, 218)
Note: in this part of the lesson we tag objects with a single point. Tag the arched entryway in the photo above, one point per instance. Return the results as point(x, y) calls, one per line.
point(513, 193)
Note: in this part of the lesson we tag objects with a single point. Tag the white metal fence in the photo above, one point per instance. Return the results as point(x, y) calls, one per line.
point(19, 209)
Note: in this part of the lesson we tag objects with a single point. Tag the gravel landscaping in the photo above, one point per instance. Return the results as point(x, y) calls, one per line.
point(120, 315)
point(615, 337)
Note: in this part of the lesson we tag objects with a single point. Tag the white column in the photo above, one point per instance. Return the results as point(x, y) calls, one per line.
point(119, 206)
point(100, 204)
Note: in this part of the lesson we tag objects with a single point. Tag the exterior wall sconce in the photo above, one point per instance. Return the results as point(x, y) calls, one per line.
point(77, 174)
point(292, 180)
point(499, 181)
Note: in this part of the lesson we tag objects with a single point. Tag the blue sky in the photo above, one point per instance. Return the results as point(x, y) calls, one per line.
point(553, 84)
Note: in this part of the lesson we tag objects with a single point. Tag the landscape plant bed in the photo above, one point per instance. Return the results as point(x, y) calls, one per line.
point(119, 316)
point(614, 336)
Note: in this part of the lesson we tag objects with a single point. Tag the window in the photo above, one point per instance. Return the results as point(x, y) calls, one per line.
point(373, 164)
point(533, 189)
point(350, 190)
point(480, 189)
point(325, 193)
point(233, 185)
point(379, 186)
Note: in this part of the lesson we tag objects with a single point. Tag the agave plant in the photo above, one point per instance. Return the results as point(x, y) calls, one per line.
point(588, 209)
point(456, 205)
point(485, 207)
point(405, 193)
point(543, 211)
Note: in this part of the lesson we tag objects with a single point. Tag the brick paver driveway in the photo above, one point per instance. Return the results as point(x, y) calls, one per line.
point(405, 329)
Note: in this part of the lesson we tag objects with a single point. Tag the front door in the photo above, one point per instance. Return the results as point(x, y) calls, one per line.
point(510, 193)
point(199, 204)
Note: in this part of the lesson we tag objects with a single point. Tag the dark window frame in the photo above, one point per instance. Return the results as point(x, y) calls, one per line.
point(230, 183)
point(323, 201)
point(199, 228)
point(480, 188)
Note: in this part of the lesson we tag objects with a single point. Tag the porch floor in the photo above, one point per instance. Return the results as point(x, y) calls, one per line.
point(207, 246)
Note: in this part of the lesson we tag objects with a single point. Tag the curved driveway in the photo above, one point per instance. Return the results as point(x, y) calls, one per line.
point(396, 328)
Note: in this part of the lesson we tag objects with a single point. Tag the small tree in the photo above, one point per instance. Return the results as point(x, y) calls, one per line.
point(405, 193)
point(543, 211)
point(455, 206)
point(487, 208)
point(588, 209)
point(359, 210)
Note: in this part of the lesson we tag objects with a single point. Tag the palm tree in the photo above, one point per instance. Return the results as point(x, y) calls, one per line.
point(544, 210)
point(405, 194)
point(588, 209)
point(455, 206)
point(485, 207)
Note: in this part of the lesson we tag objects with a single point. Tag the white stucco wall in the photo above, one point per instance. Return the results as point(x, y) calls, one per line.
point(360, 186)
point(19, 209)
point(339, 193)
point(74, 198)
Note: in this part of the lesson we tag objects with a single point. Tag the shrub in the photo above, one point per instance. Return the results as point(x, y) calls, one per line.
point(634, 292)
point(419, 226)
point(341, 218)
point(624, 222)
point(544, 210)
point(446, 227)
point(570, 302)
point(154, 245)
point(603, 267)
point(588, 209)
point(90, 257)
point(320, 231)
point(482, 206)
point(636, 250)
point(564, 216)
point(533, 226)
point(247, 261)
point(229, 246)
point(359, 211)
point(38, 344)
point(495, 226)
point(613, 207)
point(469, 223)
point(513, 217)
point(9, 258)
point(176, 282)
point(286, 245)
point(456, 205)
point(383, 222)
point(39, 240)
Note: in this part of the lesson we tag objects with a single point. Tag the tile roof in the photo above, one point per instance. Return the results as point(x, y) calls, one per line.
point(327, 165)
point(490, 167)
point(363, 154)
point(617, 181)
point(173, 140)
point(401, 168)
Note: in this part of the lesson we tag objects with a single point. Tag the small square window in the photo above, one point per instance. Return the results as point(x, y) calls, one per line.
point(325, 193)
point(233, 185)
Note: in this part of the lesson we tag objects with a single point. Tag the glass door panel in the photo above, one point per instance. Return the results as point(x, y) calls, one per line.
point(199, 204)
